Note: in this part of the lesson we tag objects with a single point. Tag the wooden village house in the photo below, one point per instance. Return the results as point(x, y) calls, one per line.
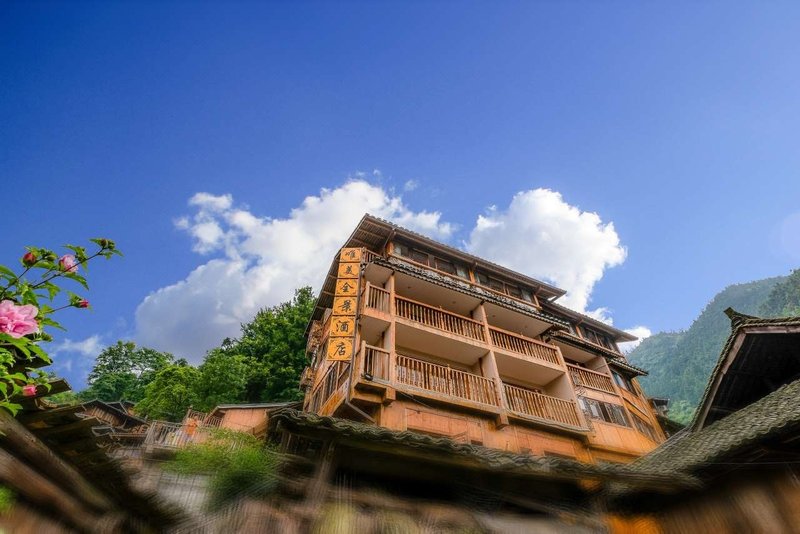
point(411, 334)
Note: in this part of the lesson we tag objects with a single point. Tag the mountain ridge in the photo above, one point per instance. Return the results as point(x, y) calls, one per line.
point(680, 363)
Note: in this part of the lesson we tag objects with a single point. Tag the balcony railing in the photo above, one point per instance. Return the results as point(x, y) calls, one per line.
point(377, 298)
point(532, 349)
point(590, 379)
point(436, 318)
point(528, 402)
point(445, 380)
point(335, 377)
point(376, 362)
point(368, 256)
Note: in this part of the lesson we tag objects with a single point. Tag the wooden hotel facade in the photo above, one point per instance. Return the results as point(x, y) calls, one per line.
point(411, 334)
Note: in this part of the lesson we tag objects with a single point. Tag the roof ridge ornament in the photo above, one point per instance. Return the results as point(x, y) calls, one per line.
point(737, 318)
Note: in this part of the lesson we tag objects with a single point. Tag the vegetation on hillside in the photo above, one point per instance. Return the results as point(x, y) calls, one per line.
point(239, 464)
point(264, 364)
point(680, 363)
point(784, 299)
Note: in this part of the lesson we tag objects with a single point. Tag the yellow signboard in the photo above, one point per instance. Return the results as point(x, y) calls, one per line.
point(348, 270)
point(344, 306)
point(343, 326)
point(346, 287)
point(342, 333)
point(340, 348)
point(350, 254)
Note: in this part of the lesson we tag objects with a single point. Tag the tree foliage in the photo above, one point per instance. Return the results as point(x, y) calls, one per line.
point(222, 380)
point(170, 393)
point(263, 365)
point(123, 371)
point(273, 345)
point(784, 299)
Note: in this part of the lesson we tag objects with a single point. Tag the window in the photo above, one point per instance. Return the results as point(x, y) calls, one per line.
point(622, 381)
point(604, 411)
point(446, 266)
point(512, 290)
point(644, 427)
point(597, 338)
point(425, 258)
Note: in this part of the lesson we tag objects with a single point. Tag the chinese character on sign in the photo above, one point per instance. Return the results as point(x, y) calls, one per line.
point(347, 306)
point(341, 349)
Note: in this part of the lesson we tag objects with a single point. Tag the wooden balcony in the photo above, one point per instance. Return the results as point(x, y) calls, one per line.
point(332, 384)
point(439, 319)
point(445, 380)
point(591, 379)
point(377, 298)
point(375, 362)
point(368, 256)
point(529, 402)
point(531, 349)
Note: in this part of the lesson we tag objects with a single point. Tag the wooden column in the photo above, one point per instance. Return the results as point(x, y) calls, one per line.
point(489, 365)
point(390, 342)
point(573, 395)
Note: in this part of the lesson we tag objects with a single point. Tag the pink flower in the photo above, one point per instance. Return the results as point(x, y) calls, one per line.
point(18, 321)
point(83, 303)
point(29, 390)
point(67, 263)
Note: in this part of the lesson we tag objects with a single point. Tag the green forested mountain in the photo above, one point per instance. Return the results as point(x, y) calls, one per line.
point(680, 362)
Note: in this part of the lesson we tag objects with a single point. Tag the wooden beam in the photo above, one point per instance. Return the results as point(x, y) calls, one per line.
point(32, 450)
point(87, 423)
point(27, 418)
point(44, 493)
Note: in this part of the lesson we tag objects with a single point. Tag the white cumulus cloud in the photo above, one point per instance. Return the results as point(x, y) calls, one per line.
point(88, 348)
point(541, 235)
point(260, 261)
point(642, 332)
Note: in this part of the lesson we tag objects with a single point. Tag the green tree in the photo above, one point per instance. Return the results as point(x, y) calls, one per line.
point(223, 379)
point(273, 345)
point(123, 371)
point(170, 393)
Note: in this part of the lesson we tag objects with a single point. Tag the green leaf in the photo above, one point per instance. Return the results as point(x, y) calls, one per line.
point(11, 407)
point(77, 278)
point(7, 272)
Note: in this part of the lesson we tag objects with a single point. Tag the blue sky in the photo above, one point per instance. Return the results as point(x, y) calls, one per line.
point(677, 124)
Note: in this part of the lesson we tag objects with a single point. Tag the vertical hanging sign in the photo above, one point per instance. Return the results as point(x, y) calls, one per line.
point(341, 338)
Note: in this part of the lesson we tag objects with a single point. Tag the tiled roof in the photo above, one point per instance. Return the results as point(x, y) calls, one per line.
point(493, 459)
point(687, 452)
point(739, 322)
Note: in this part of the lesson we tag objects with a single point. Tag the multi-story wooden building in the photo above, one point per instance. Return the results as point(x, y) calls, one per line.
point(411, 334)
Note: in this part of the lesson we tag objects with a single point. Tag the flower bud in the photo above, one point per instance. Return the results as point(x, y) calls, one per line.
point(29, 259)
point(83, 303)
point(29, 390)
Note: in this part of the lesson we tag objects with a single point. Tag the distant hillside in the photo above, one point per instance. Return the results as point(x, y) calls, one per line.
point(680, 363)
